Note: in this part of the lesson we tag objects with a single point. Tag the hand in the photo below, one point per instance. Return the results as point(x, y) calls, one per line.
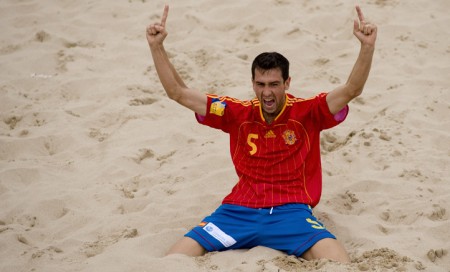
point(365, 32)
point(156, 33)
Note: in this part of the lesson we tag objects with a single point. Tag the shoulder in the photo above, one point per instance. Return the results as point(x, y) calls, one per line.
point(231, 101)
point(293, 100)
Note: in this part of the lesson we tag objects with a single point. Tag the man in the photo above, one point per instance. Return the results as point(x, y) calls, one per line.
point(274, 144)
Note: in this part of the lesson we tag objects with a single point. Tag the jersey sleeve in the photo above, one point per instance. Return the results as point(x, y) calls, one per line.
point(325, 117)
point(217, 113)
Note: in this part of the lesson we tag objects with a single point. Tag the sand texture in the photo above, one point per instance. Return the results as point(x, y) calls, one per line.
point(101, 171)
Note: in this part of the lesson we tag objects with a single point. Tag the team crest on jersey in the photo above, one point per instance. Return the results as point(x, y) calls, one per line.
point(217, 107)
point(289, 137)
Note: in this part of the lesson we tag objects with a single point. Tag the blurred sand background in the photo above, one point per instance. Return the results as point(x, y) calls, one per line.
point(100, 171)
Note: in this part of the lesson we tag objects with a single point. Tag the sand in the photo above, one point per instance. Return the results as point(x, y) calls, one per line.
point(100, 171)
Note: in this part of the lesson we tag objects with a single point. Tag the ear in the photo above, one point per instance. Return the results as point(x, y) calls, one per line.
point(287, 83)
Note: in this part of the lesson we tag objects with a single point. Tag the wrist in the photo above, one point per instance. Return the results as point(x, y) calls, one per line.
point(367, 47)
point(156, 46)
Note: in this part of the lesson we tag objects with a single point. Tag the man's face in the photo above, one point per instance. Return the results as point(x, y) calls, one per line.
point(270, 89)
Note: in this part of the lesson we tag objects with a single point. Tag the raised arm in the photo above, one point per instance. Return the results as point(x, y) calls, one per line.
point(174, 86)
point(342, 95)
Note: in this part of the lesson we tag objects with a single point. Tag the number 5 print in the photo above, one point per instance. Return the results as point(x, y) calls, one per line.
point(250, 137)
point(315, 224)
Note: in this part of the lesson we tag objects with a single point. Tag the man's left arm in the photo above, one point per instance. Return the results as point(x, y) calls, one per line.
point(342, 95)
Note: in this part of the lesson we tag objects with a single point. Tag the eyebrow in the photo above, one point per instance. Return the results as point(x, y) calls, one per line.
point(270, 82)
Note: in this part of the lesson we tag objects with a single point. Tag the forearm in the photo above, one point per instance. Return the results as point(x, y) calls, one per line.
point(360, 71)
point(343, 94)
point(168, 76)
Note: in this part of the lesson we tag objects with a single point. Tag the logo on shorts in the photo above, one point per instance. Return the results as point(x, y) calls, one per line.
point(202, 224)
point(289, 137)
point(225, 239)
point(209, 228)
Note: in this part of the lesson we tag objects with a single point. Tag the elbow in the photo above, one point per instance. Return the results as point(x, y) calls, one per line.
point(357, 92)
point(175, 94)
point(354, 91)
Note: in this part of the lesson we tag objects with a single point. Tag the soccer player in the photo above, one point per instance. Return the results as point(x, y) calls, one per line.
point(274, 145)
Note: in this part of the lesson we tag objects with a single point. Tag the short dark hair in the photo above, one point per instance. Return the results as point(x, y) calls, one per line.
point(271, 60)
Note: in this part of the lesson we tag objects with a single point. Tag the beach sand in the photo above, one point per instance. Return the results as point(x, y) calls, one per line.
point(101, 171)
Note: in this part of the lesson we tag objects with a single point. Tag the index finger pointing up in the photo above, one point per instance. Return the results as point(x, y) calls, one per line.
point(164, 17)
point(360, 14)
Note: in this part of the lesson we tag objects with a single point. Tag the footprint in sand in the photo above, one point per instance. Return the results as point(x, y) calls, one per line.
point(137, 90)
point(399, 217)
point(330, 142)
point(142, 101)
point(410, 174)
point(92, 249)
point(28, 221)
point(438, 214)
point(164, 158)
point(42, 36)
point(433, 254)
point(98, 134)
point(130, 188)
point(10, 48)
point(12, 121)
point(385, 3)
point(144, 153)
point(346, 203)
point(63, 59)
point(49, 251)
point(334, 80)
point(134, 196)
point(251, 34)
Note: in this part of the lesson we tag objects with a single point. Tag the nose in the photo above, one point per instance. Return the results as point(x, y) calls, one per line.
point(267, 90)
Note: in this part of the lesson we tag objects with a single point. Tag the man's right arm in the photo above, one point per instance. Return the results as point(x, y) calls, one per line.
point(174, 86)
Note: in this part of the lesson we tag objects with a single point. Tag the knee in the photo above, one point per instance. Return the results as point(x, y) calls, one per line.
point(328, 248)
point(187, 246)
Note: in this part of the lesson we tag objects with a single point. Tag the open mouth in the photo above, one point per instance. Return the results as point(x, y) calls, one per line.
point(269, 103)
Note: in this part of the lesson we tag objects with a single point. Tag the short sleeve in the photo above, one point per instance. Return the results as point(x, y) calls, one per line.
point(326, 118)
point(216, 113)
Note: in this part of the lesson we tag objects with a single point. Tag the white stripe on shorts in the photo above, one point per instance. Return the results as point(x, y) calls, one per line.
point(221, 236)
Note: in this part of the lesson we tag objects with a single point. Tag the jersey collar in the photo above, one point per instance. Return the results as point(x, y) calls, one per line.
point(279, 114)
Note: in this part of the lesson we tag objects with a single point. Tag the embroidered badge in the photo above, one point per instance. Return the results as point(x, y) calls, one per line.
point(270, 134)
point(289, 137)
point(217, 107)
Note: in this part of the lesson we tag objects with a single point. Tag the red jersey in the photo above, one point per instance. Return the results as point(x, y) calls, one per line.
point(276, 163)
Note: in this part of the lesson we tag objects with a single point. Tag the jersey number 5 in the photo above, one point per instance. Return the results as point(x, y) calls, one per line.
point(252, 145)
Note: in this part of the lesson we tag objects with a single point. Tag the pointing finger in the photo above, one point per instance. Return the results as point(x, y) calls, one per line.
point(165, 14)
point(360, 14)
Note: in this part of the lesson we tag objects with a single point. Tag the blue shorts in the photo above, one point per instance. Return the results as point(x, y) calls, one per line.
point(291, 228)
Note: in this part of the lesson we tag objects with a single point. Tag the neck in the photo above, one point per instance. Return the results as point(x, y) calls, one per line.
point(269, 117)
